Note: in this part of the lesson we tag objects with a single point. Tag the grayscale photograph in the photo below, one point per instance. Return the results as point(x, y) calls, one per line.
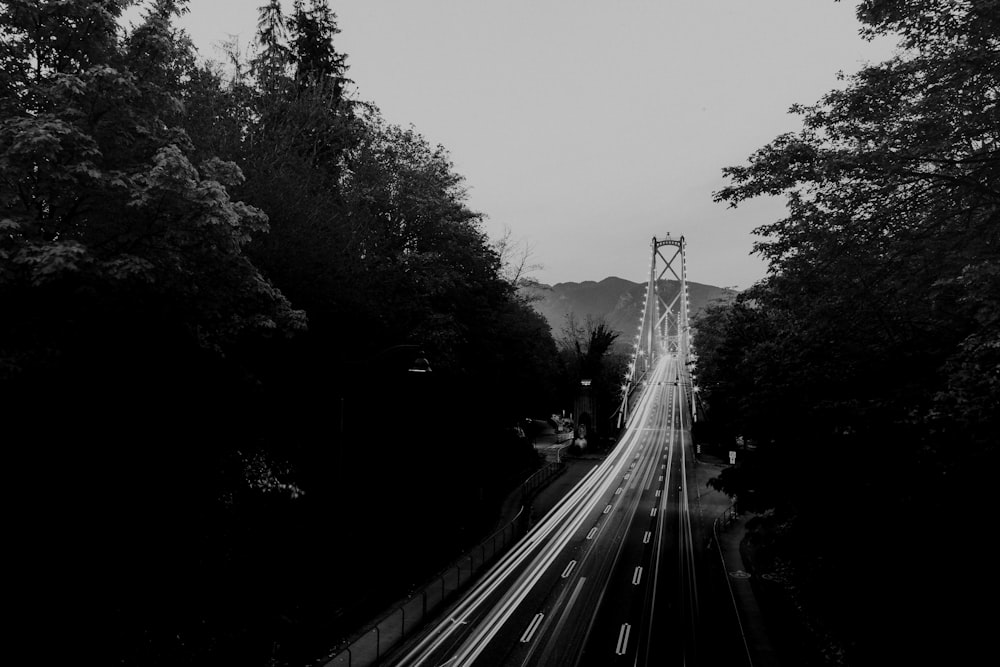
point(522, 333)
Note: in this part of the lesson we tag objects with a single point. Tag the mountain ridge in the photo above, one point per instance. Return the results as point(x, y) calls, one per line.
point(617, 300)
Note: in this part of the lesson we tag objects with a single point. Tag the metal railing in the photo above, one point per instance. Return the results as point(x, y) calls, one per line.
point(724, 519)
point(371, 645)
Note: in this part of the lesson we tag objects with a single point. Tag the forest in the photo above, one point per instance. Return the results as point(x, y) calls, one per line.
point(860, 380)
point(216, 282)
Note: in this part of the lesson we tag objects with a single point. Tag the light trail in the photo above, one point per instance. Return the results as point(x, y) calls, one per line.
point(541, 545)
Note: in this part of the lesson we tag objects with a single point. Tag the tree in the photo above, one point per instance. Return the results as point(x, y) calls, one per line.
point(587, 354)
point(270, 65)
point(588, 342)
point(515, 258)
point(125, 285)
point(159, 217)
point(879, 310)
point(317, 63)
point(98, 182)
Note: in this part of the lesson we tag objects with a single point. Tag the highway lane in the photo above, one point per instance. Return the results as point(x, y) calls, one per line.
point(647, 622)
point(607, 577)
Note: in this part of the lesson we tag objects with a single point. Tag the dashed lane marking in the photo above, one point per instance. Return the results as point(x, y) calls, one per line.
point(622, 646)
point(526, 637)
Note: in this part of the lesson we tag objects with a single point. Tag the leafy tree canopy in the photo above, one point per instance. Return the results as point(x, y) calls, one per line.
point(199, 267)
point(866, 367)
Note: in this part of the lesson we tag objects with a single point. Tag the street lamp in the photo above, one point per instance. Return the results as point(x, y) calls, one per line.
point(395, 356)
point(419, 365)
point(417, 360)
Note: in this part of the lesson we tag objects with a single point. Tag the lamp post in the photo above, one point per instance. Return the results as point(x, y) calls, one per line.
point(417, 359)
point(410, 355)
point(356, 392)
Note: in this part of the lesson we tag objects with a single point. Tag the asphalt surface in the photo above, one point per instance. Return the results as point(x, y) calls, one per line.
point(725, 588)
point(620, 567)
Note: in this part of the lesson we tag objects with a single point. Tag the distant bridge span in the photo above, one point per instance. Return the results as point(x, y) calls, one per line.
point(664, 328)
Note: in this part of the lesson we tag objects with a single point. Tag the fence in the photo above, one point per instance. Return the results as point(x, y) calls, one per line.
point(371, 645)
point(724, 519)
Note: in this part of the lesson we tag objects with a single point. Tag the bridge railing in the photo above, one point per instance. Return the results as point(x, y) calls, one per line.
point(371, 645)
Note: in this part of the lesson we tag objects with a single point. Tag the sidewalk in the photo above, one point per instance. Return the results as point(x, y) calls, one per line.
point(401, 620)
point(728, 530)
point(558, 487)
point(551, 444)
point(548, 495)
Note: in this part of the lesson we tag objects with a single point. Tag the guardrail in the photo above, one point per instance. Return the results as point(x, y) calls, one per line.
point(370, 646)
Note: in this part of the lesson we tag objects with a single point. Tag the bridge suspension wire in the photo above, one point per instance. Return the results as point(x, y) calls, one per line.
point(669, 333)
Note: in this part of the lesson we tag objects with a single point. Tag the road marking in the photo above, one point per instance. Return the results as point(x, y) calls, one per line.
point(623, 639)
point(637, 576)
point(526, 637)
point(569, 568)
point(593, 531)
point(607, 509)
point(657, 493)
point(618, 491)
point(645, 538)
point(652, 512)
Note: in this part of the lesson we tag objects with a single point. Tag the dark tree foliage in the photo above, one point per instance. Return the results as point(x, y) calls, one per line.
point(123, 279)
point(317, 63)
point(588, 353)
point(865, 367)
point(214, 285)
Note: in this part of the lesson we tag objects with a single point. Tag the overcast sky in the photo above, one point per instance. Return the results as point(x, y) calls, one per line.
point(587, 127)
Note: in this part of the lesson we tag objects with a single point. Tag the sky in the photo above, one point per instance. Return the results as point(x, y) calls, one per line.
point(587, 127)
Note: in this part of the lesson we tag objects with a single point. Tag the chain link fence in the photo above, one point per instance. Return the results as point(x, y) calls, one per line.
point(371, 645)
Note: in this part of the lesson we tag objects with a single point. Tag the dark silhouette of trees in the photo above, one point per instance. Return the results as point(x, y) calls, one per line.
point(587, 352)
point(201, 271)
point(863, 368)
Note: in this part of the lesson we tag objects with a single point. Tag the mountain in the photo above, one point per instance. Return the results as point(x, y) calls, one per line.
point(618, 300)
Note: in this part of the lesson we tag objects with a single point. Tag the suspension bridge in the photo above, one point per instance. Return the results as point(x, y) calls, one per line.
point(664, 328)
point(609, 576)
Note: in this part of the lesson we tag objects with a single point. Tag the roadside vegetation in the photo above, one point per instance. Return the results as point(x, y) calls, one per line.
point(588, 353)
point(215, 280)
point(861, 377)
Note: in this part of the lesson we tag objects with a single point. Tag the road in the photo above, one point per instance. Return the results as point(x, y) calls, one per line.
point(609, 576)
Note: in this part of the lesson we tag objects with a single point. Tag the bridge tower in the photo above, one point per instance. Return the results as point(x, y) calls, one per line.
point(664, 327)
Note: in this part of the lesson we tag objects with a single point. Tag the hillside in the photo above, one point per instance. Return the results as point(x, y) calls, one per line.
point(618, 300)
